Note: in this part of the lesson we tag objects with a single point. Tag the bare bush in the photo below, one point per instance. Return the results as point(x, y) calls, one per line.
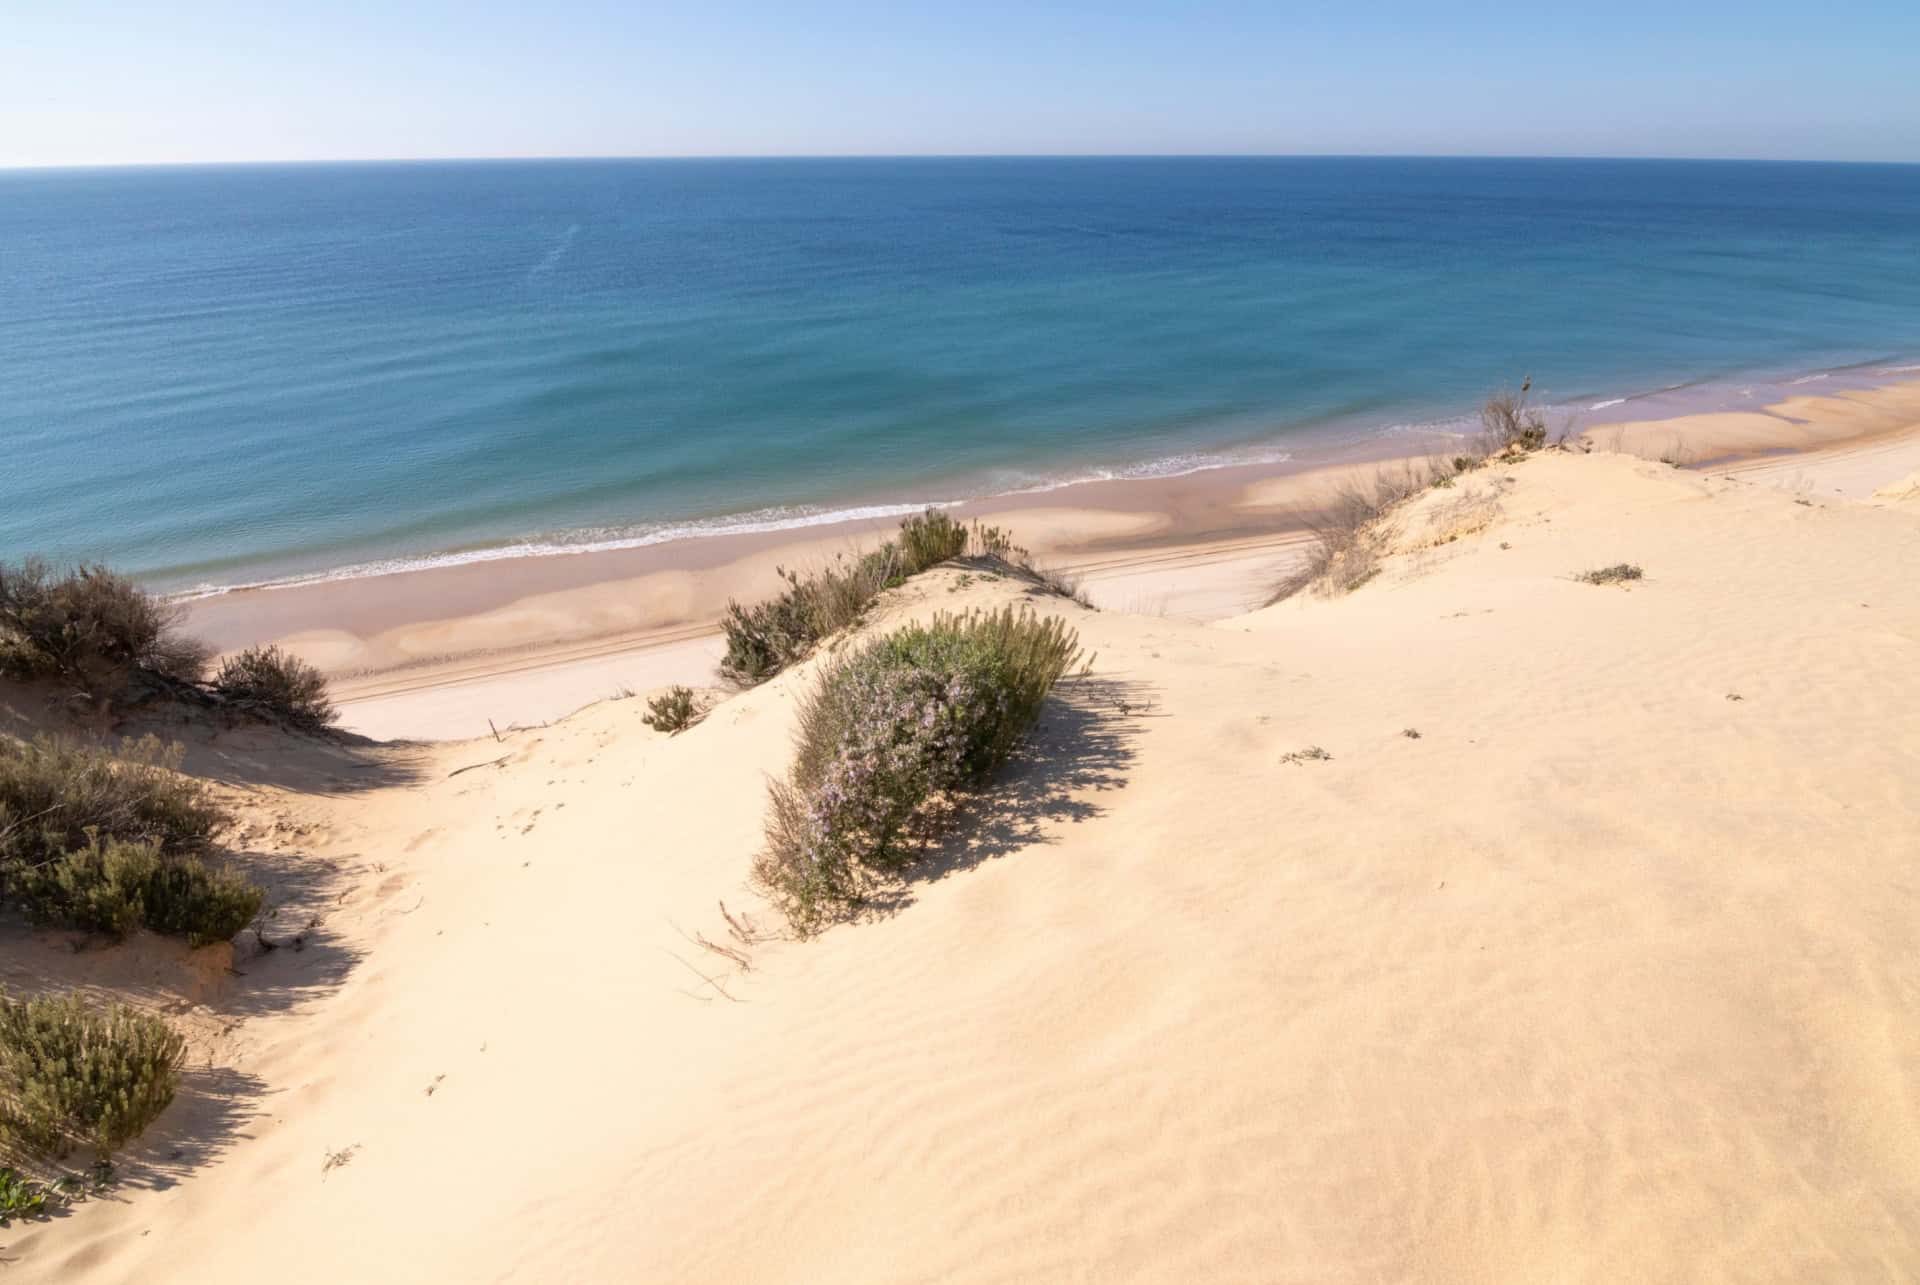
point(92, 629)
point(1510, 423)
point(275, 686)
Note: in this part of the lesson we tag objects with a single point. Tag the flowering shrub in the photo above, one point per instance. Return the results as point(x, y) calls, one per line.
point(927, 711)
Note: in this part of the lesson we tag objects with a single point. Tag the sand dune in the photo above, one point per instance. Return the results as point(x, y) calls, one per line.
point(1607, 974)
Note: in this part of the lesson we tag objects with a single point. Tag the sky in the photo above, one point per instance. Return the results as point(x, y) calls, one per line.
point(87, 82)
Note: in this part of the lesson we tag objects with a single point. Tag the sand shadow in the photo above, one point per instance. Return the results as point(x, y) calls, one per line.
point(1083, 748)
point(251, 757)
point(208, 1116)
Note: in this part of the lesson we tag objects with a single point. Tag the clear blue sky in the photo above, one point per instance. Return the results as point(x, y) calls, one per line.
point(89, 82)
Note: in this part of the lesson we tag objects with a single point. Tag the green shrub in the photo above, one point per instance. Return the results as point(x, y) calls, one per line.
point(926, 711)
point(91, 628)
point(673, 711)
point(277, 686)
point(56, 793)
point(75, 1074)
point(115, 887)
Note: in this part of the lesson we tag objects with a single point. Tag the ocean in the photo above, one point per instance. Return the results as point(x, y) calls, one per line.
point(213, 376)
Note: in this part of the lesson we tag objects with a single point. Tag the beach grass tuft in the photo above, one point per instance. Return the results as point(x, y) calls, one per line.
point(768, 636)
point(1348, 536)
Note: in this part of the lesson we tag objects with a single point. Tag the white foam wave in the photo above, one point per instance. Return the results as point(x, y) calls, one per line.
point(1611, 401)
point(760, 521)
point(1805, 379)
point(592, 540)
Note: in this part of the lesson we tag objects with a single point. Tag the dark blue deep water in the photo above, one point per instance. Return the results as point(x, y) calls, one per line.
point(217, 375)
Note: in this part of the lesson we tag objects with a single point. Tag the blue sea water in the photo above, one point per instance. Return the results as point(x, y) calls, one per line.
point(222, 375)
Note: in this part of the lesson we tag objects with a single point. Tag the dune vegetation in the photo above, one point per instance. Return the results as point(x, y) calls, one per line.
point(927, 711)
point(104, 642)
point(768, 636)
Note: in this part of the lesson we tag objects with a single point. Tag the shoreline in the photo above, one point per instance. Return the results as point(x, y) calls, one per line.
point(1321, 445)
point(436, 653)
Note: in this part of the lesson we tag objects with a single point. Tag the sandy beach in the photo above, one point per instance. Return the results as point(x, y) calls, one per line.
point(1581, 948)
point(450, 652)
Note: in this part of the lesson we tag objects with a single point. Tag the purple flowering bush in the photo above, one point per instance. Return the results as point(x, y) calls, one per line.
point(930, 710)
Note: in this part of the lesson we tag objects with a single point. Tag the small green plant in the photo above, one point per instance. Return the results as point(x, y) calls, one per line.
point(1618, 573)
point(30, 1198)
point(672, 711)
point(74, 1074)
point(23, 1197)
point(927, 711)
point(275, 686)
point(1312, 754)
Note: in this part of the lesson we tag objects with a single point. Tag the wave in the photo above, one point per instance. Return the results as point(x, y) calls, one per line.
point(756, 522)
point(1006, 485)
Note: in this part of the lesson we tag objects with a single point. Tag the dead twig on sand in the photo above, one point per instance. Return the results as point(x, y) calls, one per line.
point(474, 766)
point(718, 987)
point(741, 927)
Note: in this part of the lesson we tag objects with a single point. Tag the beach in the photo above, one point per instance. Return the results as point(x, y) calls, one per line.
point(1481, 923)
point(449, 652)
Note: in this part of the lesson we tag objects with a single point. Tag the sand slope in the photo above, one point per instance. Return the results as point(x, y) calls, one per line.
point(1607, 975)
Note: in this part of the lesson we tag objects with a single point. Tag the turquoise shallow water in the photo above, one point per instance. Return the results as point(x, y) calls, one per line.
point(222, 375)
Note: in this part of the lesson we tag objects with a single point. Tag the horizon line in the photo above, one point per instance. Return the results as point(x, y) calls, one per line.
point(932, 156)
